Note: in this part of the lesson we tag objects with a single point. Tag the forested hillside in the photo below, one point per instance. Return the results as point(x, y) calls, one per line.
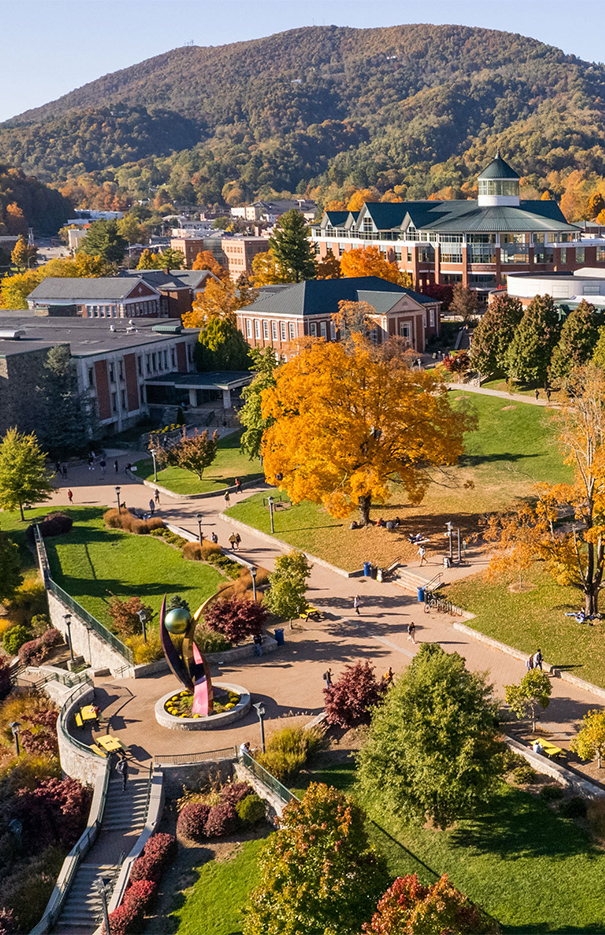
point(415, 110)
point(26, 202)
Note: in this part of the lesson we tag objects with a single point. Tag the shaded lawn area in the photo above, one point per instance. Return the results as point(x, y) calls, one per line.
point(93, 563)
point(228, 464)
point(499, 383)
point(529, 868)
point(214, 904)
point(513, 448)
point(535, 619)
point(12, 524)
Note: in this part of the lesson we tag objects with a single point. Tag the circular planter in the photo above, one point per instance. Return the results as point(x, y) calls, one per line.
point(214, 721)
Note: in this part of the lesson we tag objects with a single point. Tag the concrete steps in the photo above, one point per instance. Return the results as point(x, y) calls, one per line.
point(82, 910)
point(125, 810)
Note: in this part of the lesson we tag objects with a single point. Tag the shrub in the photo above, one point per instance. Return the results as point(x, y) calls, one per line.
point(551, 793)
point(5, 677)
point(145, 652)
point(140, 896)
point(40, 624)
point(5, 626)
point(209, 641)
point(26, 773)
point(130, 523)
point(192, 820)
point(55, 524)
point(121, 920)
point(250, 810)
point(512, 760)
point(125, 615)
point(54, 812)
point(192, 552)
point(159, 851)
point(39, 738)
point(235, 792)
point(209, 549)
point(221, 821)
point(524, 774)
point(15, 638)
point(288, 750)
point(27, 889)
point(236, 619)
point(28, 601)
point(575, 807)
point(350, 699)
point(31, 653)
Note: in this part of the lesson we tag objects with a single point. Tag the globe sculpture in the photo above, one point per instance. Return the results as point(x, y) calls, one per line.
point(190, 667)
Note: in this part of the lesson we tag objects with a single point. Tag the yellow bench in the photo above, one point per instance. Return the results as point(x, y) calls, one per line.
point(79, 721)
point(96, 749)
point(550, 749)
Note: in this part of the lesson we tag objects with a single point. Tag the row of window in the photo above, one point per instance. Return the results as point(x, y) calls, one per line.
point(274, 331)
point(429, 237)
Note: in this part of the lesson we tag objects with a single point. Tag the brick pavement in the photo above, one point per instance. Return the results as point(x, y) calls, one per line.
point(289, 681)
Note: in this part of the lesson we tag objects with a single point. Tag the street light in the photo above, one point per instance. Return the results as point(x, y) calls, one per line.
point(450, 528)
point(67, 619)
point(199, 529)
point(155, 467)
point(100, 888)
point(260, 710)
point(253, 571)
point(143, 618)
point(14, 726)
point(270, 502)
point(117, 490)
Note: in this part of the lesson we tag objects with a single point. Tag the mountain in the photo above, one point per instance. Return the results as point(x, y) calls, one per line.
point(324, 109)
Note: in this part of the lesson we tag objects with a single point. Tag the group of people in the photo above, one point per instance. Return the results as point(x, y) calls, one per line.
point(389, 523)
point(535, 661)
point(235, 540)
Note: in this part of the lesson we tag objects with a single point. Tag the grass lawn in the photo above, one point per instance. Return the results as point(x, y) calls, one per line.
point(499, 383)
point(535, 619)
point(229, 464)
point(512, 449)
point(529, 868)
point(12, 524)
point(213, 905)
point(92, 563)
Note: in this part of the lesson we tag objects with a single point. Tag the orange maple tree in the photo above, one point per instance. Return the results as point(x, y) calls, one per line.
point(369, 261)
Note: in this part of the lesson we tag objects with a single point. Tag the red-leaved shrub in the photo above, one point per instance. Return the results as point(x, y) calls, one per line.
point(222, 820)
point(55, 812)
point(121, 920)
point(55, 524)
point(40, 737)
point(349, 699)
point(237, 619)
point(159, 851)
point(234, 792)
point(192, 821)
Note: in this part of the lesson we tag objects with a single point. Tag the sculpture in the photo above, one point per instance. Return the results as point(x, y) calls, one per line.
point(190, 667)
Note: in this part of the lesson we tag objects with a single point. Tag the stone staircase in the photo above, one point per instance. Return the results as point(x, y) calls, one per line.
point(410, 581)
point(124, 815)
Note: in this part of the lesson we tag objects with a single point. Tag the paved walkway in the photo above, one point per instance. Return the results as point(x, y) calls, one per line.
point(503, 394)
point(289, 681)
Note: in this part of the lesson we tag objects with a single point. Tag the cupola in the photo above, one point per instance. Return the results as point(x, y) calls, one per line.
point(498, 185)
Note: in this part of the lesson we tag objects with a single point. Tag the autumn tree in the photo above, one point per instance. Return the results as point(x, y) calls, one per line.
point(532, 692)
point(148, 260)
point(354, 318)
point(579, 336)
point(369, 261)
point(264, 363)
point(219, 300)
point(318, 872)
point(494, 333)
point(14, 290)
point(132, 230)
point(516, 539)
point(350, 699)
point(464, 302)
point(328, 267)
point(266, 270)
point(15, 220)
point(23, 476)
point(292, 247)
point(349, 420)
point(206, 260)
point(432, 751)
point(590, 740)
point(360, 197)
point(528, 357)
point(596, 204)
point(24, 254)
point(197, 452)
point(105, 240)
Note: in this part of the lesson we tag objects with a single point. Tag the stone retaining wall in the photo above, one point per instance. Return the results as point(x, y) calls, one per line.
point(194, 775)
point(86, 642)
point(565, 777)
point(76, 762)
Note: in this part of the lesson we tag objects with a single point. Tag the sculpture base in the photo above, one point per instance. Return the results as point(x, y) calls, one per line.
point(213, 721)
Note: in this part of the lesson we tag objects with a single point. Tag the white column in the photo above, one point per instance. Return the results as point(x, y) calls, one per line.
point(192, 397)
point(226, 399)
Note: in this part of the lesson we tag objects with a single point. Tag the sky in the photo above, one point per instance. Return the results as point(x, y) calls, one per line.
point(50, 47)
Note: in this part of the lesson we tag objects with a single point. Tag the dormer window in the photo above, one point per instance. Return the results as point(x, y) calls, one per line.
point(368, 225)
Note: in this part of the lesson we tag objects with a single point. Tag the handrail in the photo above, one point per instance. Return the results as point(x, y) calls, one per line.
point(184, 759)
point(62, 725)
point(436, 579)
point(265, 777)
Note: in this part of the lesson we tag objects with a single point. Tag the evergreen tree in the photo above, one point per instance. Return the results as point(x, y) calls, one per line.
point(23, 475)
point(104, 239)
point(494, 334)
point(70, 422)
point(10, 568)
point(598, 356)
point(292, 247)
point(528, 357)
point(579, 336)
point(221, 346)
point(264, 362)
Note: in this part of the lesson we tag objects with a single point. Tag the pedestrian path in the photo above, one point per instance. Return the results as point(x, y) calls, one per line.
point(502, 394)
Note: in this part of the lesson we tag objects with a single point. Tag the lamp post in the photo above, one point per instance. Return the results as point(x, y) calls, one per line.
point(450, 528)
point(143, 618)
point(199, 529)
point(67, 619)
point(253, 571)
point(15, 725)
point(155, 466)
point(260, 710)
point(117, 490)
point(270, 502)
point(100, 888)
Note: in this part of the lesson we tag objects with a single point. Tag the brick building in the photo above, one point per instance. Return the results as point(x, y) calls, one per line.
point(178, 288)
point(282, 314)
point(239, 253)
point(104, 297)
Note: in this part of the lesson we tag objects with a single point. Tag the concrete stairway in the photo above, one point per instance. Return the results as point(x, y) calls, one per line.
point(409, 580)
point(124, 815)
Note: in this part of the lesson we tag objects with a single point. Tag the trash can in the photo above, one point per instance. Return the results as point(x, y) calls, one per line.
point(373, 570)
point(279, 636)
point(421, 595)
point(447, 561)
point(379, 575)
point(367, 569)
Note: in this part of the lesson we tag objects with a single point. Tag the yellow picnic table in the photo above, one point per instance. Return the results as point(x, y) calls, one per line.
point(550, 749)
point(88, 713)
point(110, 743)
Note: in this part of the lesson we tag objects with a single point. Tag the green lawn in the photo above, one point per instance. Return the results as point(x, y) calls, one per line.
point(92, 563)
point(512, 449)
point(529, 868)
point(12, 524)
point(229, 464)
point(213, 905)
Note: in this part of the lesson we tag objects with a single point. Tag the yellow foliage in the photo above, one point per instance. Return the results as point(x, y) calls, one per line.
point(348, 419)
point(219, 300)
point(369, 261)
point(359, 198)
point(266, 270)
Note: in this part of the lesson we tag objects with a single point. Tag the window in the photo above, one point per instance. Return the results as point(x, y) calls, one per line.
point(292, 330)
point(248, 328)
point(91, 376)
point(112, 376)
point(155, 362)
point(404, 329)
point(256, 328)
point(266, 330)
point(332, 331)
point(313, 329)
point(563, 255)
point(322, 329)
point(580, 254)
point(600, 254)
point(121, 369)
point(140, 366)
point(368, 225)
point(123, 399)
point(282, 330)
point(431, 317)
point(114, 402)
point(174, 357)
point(274, 330)
point(148, 362)
point(591, 288)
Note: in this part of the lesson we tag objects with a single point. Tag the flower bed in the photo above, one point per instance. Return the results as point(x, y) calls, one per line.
point(181, 704)
point(178, 719)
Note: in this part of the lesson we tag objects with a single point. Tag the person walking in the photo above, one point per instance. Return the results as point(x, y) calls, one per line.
point(327, 677)
point(91, 464)
point(356, 603)
point(538, 659)
point(227, 499)
point(412, 631)
point(152, 506)
point(238, 539)
point(102, 465)
point(156, 496)
point(122, 769)
point(214, 538)
point(64, 471)
point(529, 663)
point(233, 540)
point(548, 391)
point(387, 678)
point(70, 496)
point(116, 466)
point(238, 485)
point(422, 554)
point(258, 644)
point(537, 394)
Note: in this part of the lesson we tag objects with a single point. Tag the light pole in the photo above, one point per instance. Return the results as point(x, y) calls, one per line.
point(15, 725)
point(199, 529)
point(155, 466)
point(253, 575)
point(117, 490)
point(143, 618)
point(270, 502)
point(260, 710)
point(100, 888)
point(67, 619)
point(450, 528)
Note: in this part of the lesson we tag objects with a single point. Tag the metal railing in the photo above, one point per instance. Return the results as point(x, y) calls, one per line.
point(273, 784)
point(80, 690)
point(42, 555)
point(91, 621)
point(183, 759)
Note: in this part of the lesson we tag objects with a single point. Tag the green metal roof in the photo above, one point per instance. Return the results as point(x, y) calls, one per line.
point(498, 169)
point(321, 296)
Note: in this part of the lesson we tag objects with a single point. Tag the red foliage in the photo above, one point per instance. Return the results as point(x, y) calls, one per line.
point(55, 812)
point(236, 618)
point(441, 293)
point(192, 821)
point(349, 699)
point(40, 738)
point(234, 792)
point(5, 678)
point(159, 851)
point(121, 920)
point(34, 651)
point(457, 363)
point(408, 907)
point(129, 916)
point(222, 820)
